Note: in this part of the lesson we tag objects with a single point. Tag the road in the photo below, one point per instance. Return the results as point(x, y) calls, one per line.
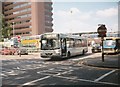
point(69, 71)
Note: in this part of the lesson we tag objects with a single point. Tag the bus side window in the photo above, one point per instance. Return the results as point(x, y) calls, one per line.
point(68, 43)
point(74, 43)
point(80, 42)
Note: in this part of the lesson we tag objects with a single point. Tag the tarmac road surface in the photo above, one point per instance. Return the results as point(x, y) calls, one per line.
point(69, 71)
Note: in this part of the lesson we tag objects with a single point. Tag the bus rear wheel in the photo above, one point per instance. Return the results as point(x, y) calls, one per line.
point(68, 54)
point(93, 51)
point(83, 52)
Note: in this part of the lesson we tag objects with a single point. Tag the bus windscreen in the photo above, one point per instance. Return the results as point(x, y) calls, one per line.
point(109, 44)
point(49, 44)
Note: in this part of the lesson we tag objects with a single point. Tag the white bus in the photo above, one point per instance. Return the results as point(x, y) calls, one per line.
point(62, 45)
point(111, 45)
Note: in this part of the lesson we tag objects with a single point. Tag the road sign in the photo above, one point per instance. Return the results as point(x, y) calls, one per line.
point(19, 38)
point(102, 30)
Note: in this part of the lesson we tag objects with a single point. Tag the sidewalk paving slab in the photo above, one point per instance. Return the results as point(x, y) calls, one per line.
point(110, 61)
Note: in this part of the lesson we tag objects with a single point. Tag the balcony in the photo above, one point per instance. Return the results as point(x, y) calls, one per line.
point(48, 6)
point(48, 24)
point(17, 9)
point(15, 15)
point(22, 30)
point(47, 12)
point(19, 20)
point(26, 34)
point(13, 5)
point(22, 25)
point(8, 3)
point(48, 18)
point(48, 29)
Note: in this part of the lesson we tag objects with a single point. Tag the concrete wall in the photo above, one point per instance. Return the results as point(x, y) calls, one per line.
point(0, 18)
point(38, 18)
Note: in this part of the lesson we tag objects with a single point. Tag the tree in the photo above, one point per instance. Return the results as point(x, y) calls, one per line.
point(5, 29)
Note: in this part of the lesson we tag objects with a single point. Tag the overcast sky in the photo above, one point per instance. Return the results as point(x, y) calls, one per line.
point(84, 16)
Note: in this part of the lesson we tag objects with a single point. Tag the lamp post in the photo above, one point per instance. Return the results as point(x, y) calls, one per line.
point(13, 29)
point(71, 22)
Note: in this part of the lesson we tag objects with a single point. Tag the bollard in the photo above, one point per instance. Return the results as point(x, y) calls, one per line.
point(19, 53)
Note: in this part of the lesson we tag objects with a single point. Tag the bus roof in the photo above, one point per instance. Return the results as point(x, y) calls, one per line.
point(64, 35)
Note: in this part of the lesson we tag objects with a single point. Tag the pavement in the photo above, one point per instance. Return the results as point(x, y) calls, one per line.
point(14, 57)
point(110, 61)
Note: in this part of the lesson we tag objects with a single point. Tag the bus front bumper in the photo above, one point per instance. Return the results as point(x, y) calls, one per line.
point(50, 55)
point(110, 51)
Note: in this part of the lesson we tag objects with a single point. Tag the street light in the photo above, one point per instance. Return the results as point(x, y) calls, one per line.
point(13, 29)
point(71, 22)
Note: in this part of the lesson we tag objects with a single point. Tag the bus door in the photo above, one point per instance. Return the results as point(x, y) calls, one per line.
point(118, 44)
point(63, 47)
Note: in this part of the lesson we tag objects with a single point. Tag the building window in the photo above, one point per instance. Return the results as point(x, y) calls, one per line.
point(27, 32)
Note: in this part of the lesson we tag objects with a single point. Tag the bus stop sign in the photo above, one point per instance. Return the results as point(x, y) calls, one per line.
point(102, 31)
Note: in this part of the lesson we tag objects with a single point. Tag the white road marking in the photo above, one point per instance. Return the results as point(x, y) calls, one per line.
point(63, 73)
point(12, 71)
point(67, 72)
point(18, 67)
point(2, 74)
point(58, 73)
point(22, 77)
point(71, 78)
point(45, 71)
point(29, 83)
point(105, 75)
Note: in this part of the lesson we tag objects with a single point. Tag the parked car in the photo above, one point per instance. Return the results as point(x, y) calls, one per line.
point(96, 48)
point(22, 51)
point(13, 50)
point(8, 51)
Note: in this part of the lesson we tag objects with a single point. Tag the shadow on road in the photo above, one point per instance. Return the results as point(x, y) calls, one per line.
point(73, 57)
point(112, 54)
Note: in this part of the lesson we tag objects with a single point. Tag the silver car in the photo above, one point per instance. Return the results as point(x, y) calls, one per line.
point(22, 51)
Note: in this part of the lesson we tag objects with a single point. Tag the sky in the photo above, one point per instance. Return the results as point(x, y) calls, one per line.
point(77, 16)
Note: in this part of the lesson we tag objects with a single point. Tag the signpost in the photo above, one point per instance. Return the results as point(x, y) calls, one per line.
point(102, 30)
